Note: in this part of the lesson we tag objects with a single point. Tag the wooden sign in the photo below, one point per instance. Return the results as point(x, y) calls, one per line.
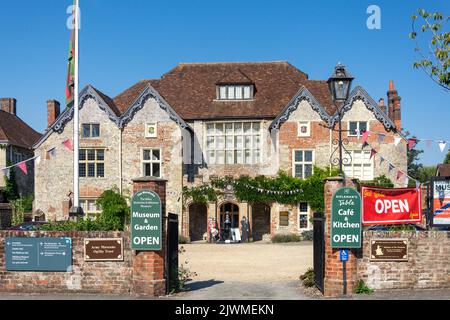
point(389, 250)
point(103, 249)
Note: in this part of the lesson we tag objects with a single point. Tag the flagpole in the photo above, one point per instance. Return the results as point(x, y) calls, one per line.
point(76, 124)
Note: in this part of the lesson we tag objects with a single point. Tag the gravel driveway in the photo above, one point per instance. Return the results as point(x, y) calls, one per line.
point(247, 271)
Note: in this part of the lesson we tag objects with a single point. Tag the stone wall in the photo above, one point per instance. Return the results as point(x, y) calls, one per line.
point(108, 278)
point(428, 265)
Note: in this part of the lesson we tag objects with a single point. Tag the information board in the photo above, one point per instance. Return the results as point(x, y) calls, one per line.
point(38, 254)
point(146, 221)
point(441, 202)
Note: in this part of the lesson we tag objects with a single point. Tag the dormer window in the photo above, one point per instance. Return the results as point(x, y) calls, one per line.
point(235, 92)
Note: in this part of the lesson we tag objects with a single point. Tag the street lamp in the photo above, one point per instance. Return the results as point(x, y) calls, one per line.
point(340, 84)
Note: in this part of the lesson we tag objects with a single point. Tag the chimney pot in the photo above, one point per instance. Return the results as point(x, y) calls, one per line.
point(8, 105)
point(391, 85)
point(53, 111)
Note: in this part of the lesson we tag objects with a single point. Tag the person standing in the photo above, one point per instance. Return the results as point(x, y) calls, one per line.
point(245, 229)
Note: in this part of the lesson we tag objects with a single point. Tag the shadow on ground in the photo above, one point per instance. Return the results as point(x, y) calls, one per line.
point(199, 285)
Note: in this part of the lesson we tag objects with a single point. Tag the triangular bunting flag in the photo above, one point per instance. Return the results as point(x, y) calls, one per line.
point(381, 137)
point(411, 143)
point(406, 182)
point(365, 144)
point(397, 140)
point(399, 174)
point(68, 144)
point(358, 133)
point(391, 167)
point(381, 160)
point(365, 136)
point(442, 145)
point(52, 152)
point(428, 143)
point(373, 152)
point(23, 167)
point(37, 160)
point(6, 172)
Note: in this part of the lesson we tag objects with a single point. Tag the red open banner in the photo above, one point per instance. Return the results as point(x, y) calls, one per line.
point(391, 206)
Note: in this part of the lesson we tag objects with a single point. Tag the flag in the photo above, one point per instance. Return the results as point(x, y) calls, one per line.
point(70, 85)
point(442, 145)
point(365, 136)
point(381, 137)
point(373, 152)
point(429, 143)
point(397, 140)
point(399, 174)
point(23, 167)
point(52, 152)
point(37, 160)
point(68, 144)
point(365, 144)
point(381, 160)
point(411, 143)
point(6, 172)
point(358, 133)
point(391, 167)
point(406, 181)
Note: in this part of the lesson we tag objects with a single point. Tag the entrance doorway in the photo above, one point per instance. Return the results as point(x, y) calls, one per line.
point(233, 211)
point(198, 221)
point(260, 221)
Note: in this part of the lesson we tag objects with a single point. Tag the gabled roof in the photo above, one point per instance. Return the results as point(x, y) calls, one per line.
point(236, 77)
point(190, 88)
point(443, 170)
point(15, 131)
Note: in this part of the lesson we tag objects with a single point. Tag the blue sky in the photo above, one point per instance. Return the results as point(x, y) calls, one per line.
point(123, 42)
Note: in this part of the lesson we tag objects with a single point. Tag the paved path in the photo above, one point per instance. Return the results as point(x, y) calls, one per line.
point(247, 271)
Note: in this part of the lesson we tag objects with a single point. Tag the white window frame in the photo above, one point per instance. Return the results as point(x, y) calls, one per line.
point(372, 167)
point(223, 92)
point(357, 127)
point(303, 123)
point(308, 217)
point(255, 150)
point(90, 130)
point(84, 203)
point(147, 127)
point(86, 162)
point(303, 162)
point(151, 161)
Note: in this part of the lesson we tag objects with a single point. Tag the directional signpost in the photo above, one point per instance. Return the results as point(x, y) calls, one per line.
point(345, 224)
point(146, 221)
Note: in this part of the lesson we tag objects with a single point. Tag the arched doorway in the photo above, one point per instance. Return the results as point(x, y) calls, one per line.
point(198, 222)
point(260, 221)
point(233, 211)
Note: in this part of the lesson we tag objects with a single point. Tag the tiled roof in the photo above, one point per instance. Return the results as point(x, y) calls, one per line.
point(16, 131)
point(190, 88)
point(443, 170)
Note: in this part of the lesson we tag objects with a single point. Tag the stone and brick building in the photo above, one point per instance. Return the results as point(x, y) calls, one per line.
point(206, 120)
point(16, 145)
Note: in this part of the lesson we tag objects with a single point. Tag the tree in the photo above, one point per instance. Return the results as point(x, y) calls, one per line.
point(10, 189)
point(414, 166)
point(434, 53)
point(447, 158)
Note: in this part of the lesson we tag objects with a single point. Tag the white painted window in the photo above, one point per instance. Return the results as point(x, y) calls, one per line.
point(90, 207)
point(90, 130)
point(361, 166)
point(303, 163)
point(92, 163)
point(303, 216)
point(304, 128)
point(357, 126)
point(151, 130)
point(151, 163)
point(233, 143)
point(235, 92)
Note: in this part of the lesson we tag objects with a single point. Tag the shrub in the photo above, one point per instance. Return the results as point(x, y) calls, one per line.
point(308, 278)
point(362, 288)
point(308, 235)
point(18, 212)
point(288, 237)
point(183, 239)
point(178, 281)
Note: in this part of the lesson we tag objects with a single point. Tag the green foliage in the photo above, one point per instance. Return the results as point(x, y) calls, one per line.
point(413, 160)
point(447, 158)
point(381, 181)
point(308, 278)
point(200, 195)
point(18, 212)
point(362, 288)
point(434, 52)
point(115, 215)
point(308, 235)
point(182, 239)
point(10, 190)
point(425, 173)
point(178, 281)
point(284, 238)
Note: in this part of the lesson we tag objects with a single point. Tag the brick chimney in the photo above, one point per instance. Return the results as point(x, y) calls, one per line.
point(53, 111)
point(394, 106)
point(8, 105)
point(382, 105)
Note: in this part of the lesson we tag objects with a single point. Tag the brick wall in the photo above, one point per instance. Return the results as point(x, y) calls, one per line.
point(95, 277)
point(428, 265)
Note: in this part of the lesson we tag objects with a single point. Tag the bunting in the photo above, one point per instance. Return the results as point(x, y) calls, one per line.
point(23, 166)
point(411, 143)
point(68, 144)
point(442, 145)
point(6, 172)
point(373, 153)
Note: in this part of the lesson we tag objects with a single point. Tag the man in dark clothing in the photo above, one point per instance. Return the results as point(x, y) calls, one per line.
point(245, 229)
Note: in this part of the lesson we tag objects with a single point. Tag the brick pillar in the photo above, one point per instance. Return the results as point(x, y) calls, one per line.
point(149, 274)
point(333, 283)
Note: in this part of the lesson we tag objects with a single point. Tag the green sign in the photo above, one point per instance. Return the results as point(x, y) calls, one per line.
point(146, 221)
point(346, 219)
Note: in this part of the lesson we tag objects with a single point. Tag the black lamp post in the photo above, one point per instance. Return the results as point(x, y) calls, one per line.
point(340, 84)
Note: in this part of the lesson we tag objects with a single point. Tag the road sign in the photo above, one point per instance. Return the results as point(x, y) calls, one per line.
point(346, 219)
point(344, 255)
point(39, 254)
point(146, 221)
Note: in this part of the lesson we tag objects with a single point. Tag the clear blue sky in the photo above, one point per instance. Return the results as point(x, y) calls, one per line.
point(123, 42)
